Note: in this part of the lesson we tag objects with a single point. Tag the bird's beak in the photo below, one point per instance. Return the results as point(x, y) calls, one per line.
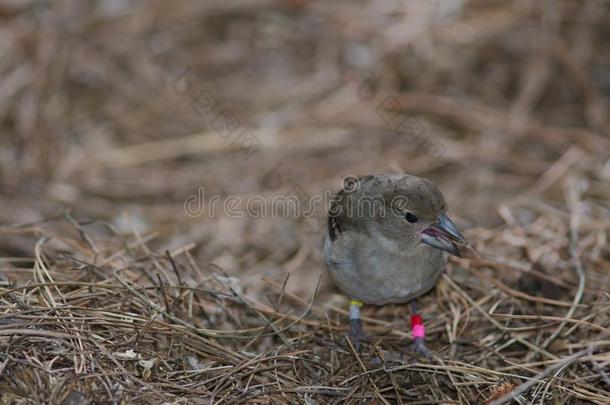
point(443, 235)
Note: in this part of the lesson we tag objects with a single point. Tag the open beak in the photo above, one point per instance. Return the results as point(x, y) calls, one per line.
point(444, 235)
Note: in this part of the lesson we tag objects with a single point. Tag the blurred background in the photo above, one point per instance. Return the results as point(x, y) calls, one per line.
point(120, 110)
point(124, 120)
point(123, 111)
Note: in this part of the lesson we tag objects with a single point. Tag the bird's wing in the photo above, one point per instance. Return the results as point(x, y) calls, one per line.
point(338, 218)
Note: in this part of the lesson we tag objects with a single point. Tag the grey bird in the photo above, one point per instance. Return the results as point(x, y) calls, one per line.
point(388, 241)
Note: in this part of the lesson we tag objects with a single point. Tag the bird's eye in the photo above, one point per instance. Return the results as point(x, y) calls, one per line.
point(411, 217)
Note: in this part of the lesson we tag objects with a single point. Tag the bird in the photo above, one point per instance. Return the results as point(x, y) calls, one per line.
point(388, 241)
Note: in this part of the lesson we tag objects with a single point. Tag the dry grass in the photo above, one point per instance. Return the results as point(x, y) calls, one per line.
point(111, 293)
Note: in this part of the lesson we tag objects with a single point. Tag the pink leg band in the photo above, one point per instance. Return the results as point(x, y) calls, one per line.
point(419, 331)
point(417, 327)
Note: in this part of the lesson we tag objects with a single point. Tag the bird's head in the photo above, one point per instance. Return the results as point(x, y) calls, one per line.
point(418, 214)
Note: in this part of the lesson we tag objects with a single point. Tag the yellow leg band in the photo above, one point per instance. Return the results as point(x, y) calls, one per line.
point(354, 309)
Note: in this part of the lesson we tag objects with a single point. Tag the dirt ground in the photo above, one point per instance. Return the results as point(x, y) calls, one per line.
point(152, 155)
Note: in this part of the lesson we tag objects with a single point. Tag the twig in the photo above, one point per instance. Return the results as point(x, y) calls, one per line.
point(573, 191)
point(538, 378)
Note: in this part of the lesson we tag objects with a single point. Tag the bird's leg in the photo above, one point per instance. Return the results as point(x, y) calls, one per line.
point(418, 331)
point(356, 333)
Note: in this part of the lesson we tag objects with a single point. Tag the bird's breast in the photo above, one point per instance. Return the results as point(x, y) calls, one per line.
point(369, 271)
